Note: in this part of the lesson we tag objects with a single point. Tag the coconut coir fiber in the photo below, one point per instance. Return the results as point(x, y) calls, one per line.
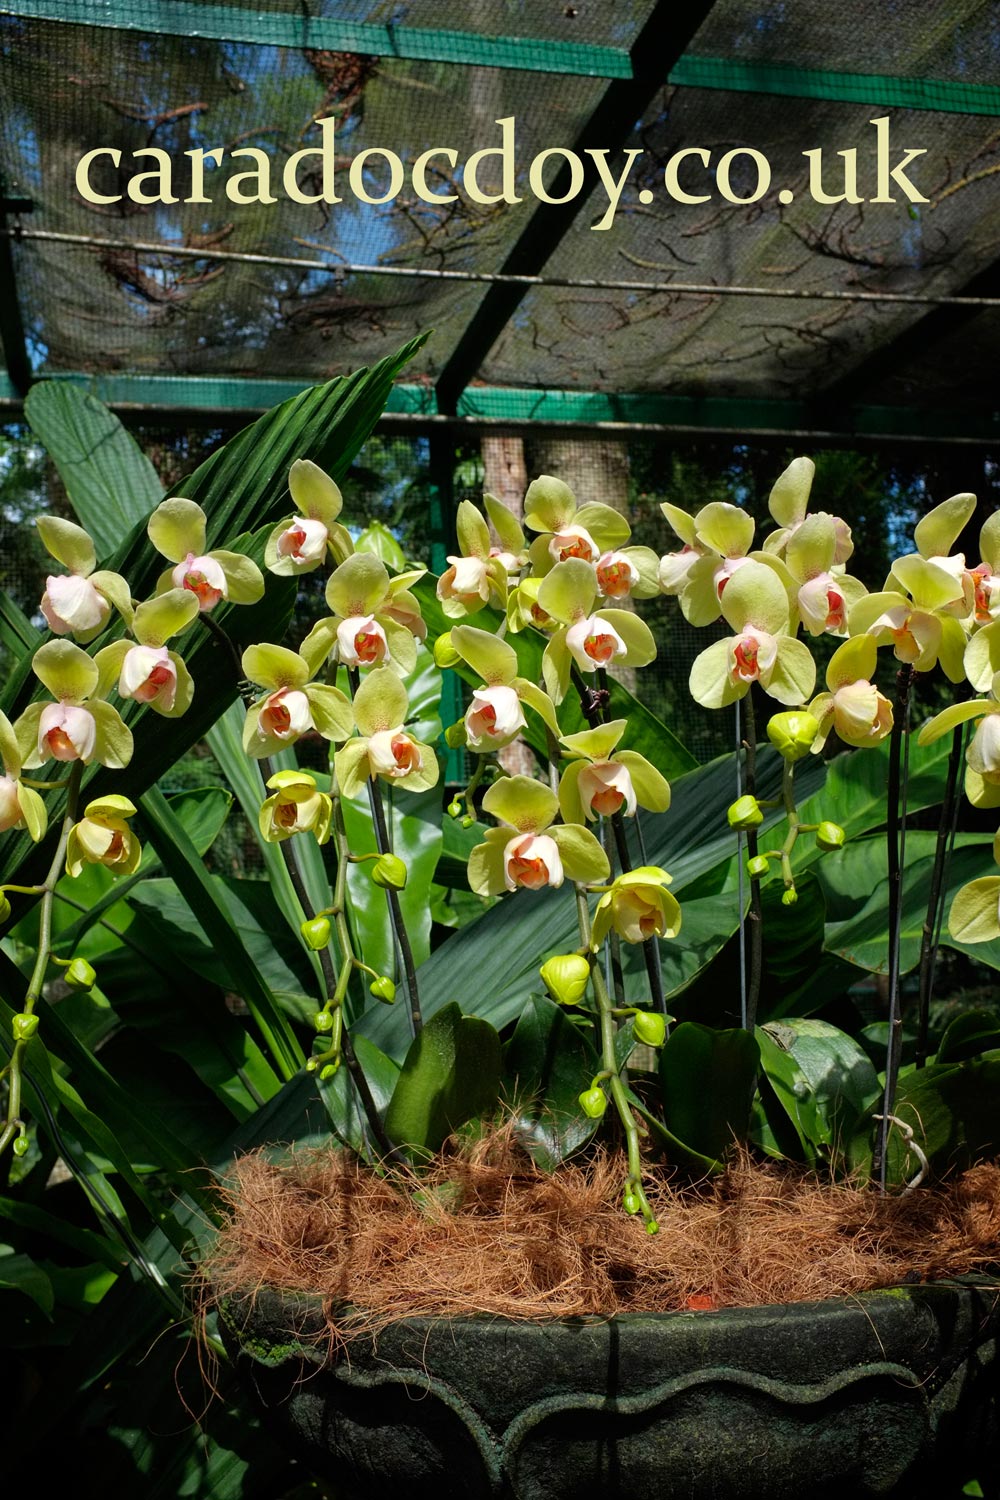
point(484, 1231)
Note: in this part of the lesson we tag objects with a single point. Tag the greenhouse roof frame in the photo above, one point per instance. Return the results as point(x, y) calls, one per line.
point(464, 390)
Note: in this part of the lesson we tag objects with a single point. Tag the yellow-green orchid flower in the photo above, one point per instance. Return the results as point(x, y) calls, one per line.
point(568, 531)
point(859, 713)
point(789, 506)
point(918, 624)
point(598, 783)
point(529, 850)
point(495, 716)
point(297, 806)
point(478, 575)
point(103, 837)
point(982, 757)
point(148, 672)
point(755, 605)
point(590, 638)
point(79, 726)
point(975, 912)
point(293, 705)
point(824, 592)
point(177, 529)
point(638, 906)
point(384, 747)
point(20, 806)
point(985, 576)
point(79, 603)
point(523, 608)
point(375, 619)
point(722, 534)
point(512, 550)
point(935, 534)
point(298, 544)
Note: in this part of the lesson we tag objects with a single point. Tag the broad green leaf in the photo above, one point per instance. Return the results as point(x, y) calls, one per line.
point(707, 1078)
point(969, 1034)
point(19, 1273)
point(952, 1110)
point(40, 1222)
point(451, 1075)
point(822, 1077)
point(547, 1064)
point(347, 1118)
point(414, 820)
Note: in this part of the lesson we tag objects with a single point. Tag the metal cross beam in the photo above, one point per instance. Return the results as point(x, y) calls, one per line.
point(659, 44)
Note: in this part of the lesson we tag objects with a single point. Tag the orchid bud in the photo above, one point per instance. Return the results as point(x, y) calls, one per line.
point(468, 820)
point(789, 896)
point(830, 836)
point(652, 1227)
point(745, 812)
point(454, 808)
point(650, 1028)
point(328, 1072)
point(456, 735)
point(23, 1026)
point(315, 932)
point(757, 866)
point(323, 1021)
point(383, 989)
point(593, 1102)
point(792, 733)
point(631, 1202)
point(20, 1146)
point(566, 977)
point(445, 654)
point(79, 975)
point(389, 872)
point(4, 907)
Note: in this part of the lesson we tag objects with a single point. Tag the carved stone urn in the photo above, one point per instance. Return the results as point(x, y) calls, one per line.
point(893, 1393)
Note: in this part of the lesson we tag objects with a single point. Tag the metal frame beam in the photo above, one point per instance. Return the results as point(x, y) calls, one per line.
point(207, 401)
point(13, 340)
point(668, 29)
point(879, 90)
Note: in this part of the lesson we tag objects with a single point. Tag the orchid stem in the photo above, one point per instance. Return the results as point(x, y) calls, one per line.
point(895, 839)
point(935, 896)
point(756, 911)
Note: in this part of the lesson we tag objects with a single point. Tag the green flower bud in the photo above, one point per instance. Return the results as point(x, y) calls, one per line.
point(312, 1063)
point(383, 989)
point(593, 1102)
point(792, 733)
point(454, 808)
point(328, 1072)
point(652, 1227)
point(631, 1202)
point(566, 977)
point(830, 836)
point(455, 735)
point(20, 1146)
point(23, 1026)
point(4, 907)
point(79, 975)
point(789, 896)
point(649, 1027)
point(316, 932)
point(757, 866)
point(323, 1020)
point(468, 821)
point(745, 813)
point(389, 872)
point(445, 654)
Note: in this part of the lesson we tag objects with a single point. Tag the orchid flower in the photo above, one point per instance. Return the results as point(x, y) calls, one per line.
point(478, 575)
point(297, 806)
point(148, 672)
point(638, 906)
point(824, 592)
point(496, 715)
point(975, 912)
point(982, 757)
point(293, 705)
point(852, 706)
point(20, 805)
point(675, 567)
point(529, 849)
point(79, 726)
point(935, 534)
point(755, 605)
point(384, 747)
point(723, 534)
point(177, 529)
point(598, 783)
point(628, 572)
point(512, 551)
point(375, 619)
point(588, 638)
point(567, 531)
point(986, 574)
point(788, 504)
point(103, 837)
point(79, 603)
point(523, 608)
point(298, 544)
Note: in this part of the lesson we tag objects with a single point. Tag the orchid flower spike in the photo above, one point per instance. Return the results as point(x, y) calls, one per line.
point(20, 805)
point(476, 576)
point(599, 783)
point(79, 725)
point(297, 806)
point(299, 544)
point(177, 529)
point(79, 602)
point(755, 605)
point(589, 638)
point(103, 837)
point(376, 621)
point(567, 531)
point(852, 706)
point(384, 747)
point(528, 849)
point(148, 672)
point(293, 704)
point(496, 714)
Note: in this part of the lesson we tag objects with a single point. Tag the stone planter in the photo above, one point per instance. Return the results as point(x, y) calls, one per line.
point(894, 1393)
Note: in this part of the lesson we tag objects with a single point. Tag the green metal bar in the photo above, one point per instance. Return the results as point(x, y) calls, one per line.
point(12, 337)
point(885, 91)
point(528, 406)
point(297, 29)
